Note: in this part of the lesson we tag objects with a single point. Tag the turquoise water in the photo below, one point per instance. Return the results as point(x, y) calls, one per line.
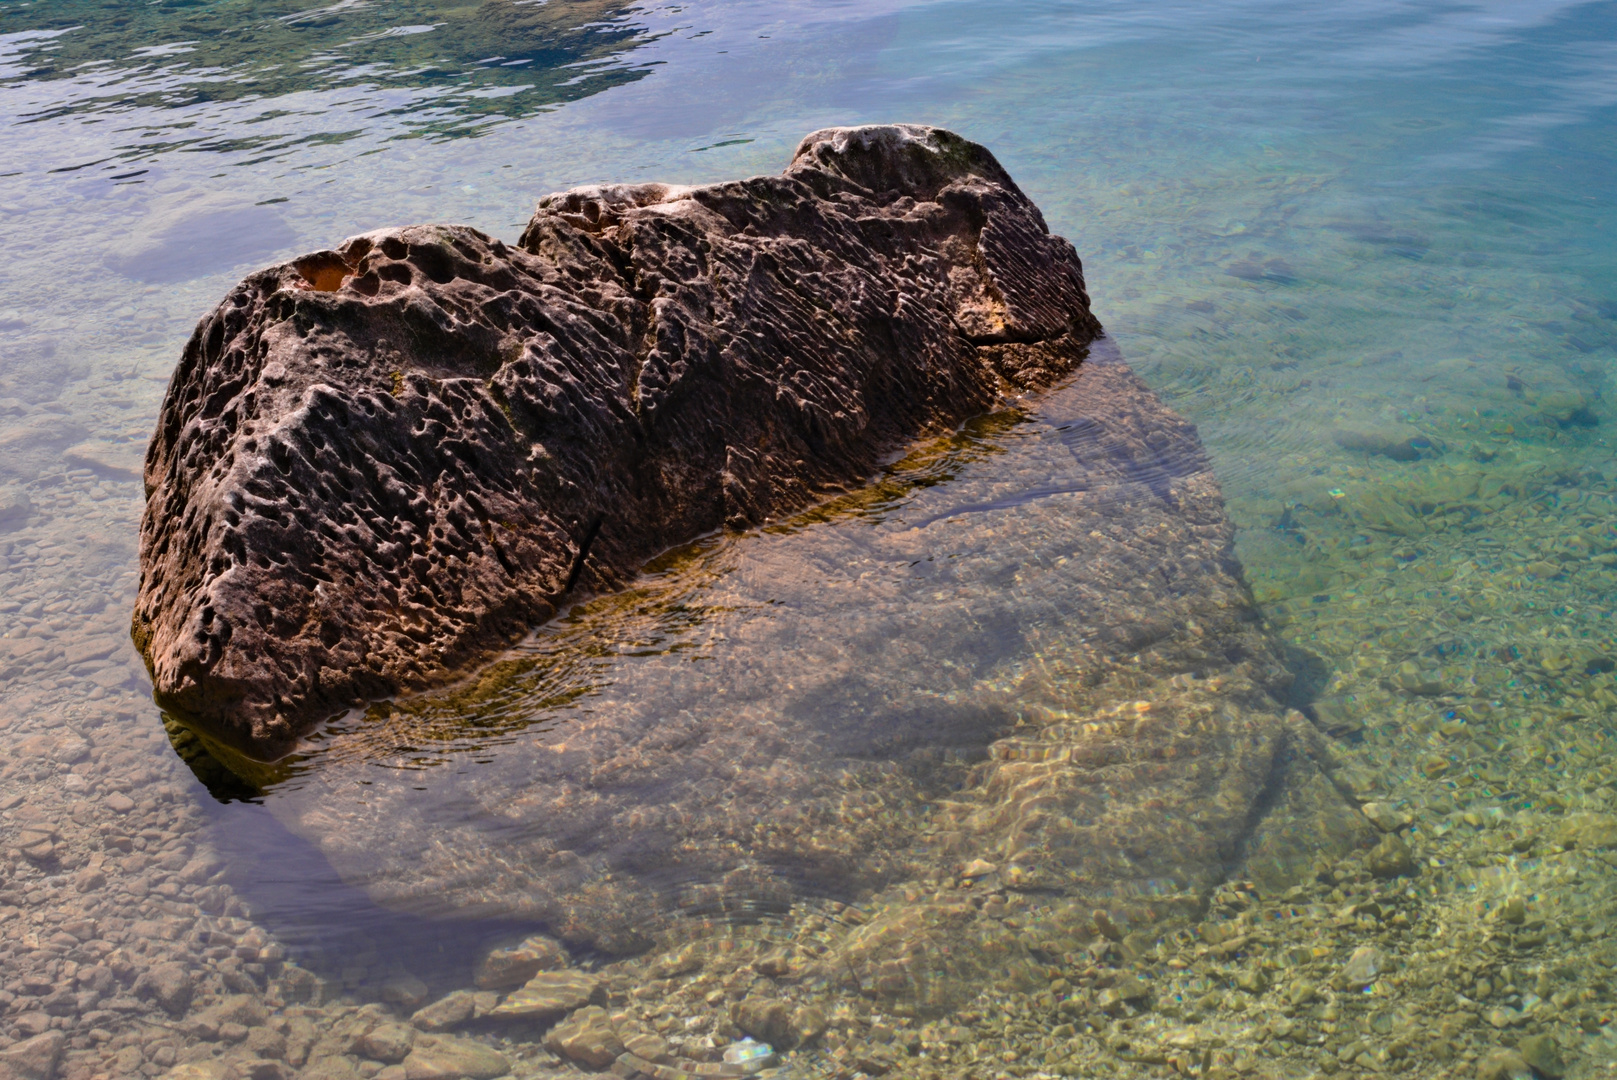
point(1368, 250)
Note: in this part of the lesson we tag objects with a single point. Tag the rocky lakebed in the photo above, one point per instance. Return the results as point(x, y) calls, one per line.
point(965, 751)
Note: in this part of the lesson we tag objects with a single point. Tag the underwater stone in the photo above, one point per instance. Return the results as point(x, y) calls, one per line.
point(1363, 967)
point(446, 1012)
point(1566, 408)
point(170, 984)
point(645, 1045)
point(1386, 817)
point(14, 509)
point(1588, 830)
point(586, 1037)
point(241, 1009)
point(1542, 1053)
point(750, 1056)
point(765, 1019)
point(1503, 1064)
point(808, 1024)
point(405, 991)
point(448, 1058)
point(1129, 991)
point(200, 1070)
point(378, 465)
point(34, 1058)
point(1398, 441)
point(550, 993)
point(1391, 858)
point(513, 965)
point(389, 1042)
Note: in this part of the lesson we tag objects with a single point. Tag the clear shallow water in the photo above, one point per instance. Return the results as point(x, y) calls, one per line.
point(1313, 230)
point(468, 65)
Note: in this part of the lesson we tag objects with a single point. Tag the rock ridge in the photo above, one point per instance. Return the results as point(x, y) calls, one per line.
point(380, 464)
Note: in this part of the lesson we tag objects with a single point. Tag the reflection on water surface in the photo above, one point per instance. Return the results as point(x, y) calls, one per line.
point(466, 65)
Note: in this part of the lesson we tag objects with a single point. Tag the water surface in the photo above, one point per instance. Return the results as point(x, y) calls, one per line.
point(1367, 250)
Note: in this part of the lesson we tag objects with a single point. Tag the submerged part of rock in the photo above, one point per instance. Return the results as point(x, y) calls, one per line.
point(376, 466)
point(1025, 657)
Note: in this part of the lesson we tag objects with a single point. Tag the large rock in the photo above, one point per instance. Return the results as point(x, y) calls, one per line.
point(1023, 657)
point(379, 464)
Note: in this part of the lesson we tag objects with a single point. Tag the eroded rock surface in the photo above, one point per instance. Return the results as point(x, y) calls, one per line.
point(377, 465)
